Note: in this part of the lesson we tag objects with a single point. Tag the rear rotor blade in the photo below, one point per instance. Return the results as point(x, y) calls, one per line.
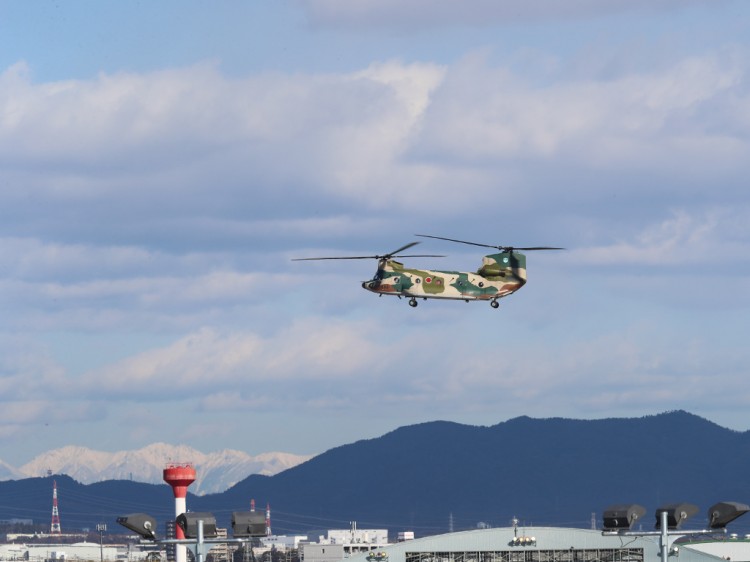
point(338, 258)
point(532, 248)
point(503, 248)
point(459, 241)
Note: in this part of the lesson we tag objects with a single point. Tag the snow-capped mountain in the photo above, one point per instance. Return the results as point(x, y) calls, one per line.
point(8, 472)
point(215, 472)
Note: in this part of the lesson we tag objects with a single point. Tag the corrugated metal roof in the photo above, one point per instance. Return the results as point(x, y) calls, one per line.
point(546, 539)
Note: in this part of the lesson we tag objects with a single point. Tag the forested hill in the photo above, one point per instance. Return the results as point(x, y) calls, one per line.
point(544, 471)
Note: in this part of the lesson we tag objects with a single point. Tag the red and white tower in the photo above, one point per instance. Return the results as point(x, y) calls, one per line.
point(54, 528)
point(268, 519)
point(179, 476)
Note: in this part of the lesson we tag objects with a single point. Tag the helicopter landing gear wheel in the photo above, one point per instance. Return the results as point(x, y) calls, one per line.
point(413, 302)
point(494, 304)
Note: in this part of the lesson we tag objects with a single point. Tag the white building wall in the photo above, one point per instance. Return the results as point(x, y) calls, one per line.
point(321, 552)
point(358, 536)
point(78, 551)
point(13, 551)
point(728, 549)
point(70, 552)
point(282, 542)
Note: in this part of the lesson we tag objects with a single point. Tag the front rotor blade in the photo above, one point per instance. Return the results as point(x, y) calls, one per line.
point(388, 256)
point(418, 256)
point(401, 249)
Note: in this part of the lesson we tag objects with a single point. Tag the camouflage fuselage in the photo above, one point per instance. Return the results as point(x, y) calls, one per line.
point(499, 276)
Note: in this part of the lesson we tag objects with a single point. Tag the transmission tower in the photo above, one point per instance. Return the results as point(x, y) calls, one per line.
point(54, 528)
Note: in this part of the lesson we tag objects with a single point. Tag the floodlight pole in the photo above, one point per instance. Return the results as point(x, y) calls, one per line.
point(200, 545)
point(200, 550)
point(664, 537)
point(242, 526)
point(664, 533)
point(101, 527)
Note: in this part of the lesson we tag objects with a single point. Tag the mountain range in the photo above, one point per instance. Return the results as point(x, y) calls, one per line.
point(435, 476)
point(215, 471)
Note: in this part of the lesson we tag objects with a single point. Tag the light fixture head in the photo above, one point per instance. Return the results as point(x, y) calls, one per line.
point(723, 513)
point(622, 516)
point(248, 524)
point(140, 523)
point(677, 513)
point(188, 522)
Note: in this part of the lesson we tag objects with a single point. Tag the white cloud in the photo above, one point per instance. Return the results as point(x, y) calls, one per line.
point(136, 301)
point(26, 369)
point(166, 204)
point(307, 351)
point(482, 114)
point(429, 13)
point(376, 367)
point(339, 130)
point(393, 136)
point(224, 401)
point(28, 412)
point(32, 258)
point(335, 366)
point(709, 237)
point(52, 284)
point(634, 371)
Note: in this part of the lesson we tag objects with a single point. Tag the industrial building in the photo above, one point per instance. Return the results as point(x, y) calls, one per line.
point(339, 544)
point(618, 543)
point(75, 551)
point(552, 544)
point(282, 542)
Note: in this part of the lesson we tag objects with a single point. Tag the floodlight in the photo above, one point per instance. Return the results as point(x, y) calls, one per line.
point(676, 514)
point(723, 513)
point(622, 516)
point(188, 522)
point(140, 523)
point(248, 524)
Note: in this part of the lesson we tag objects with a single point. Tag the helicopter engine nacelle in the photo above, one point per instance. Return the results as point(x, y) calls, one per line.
point(505, 265)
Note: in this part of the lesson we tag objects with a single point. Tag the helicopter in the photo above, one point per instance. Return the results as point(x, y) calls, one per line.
point(500, 275)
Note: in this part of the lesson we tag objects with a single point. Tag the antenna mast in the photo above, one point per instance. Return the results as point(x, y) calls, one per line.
point(54, 528)
point(268, 519)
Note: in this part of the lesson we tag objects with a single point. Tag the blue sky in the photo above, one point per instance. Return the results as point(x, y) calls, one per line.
point(161, 163)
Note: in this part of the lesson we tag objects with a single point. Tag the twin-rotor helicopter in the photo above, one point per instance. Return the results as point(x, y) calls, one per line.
point(500, 275)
